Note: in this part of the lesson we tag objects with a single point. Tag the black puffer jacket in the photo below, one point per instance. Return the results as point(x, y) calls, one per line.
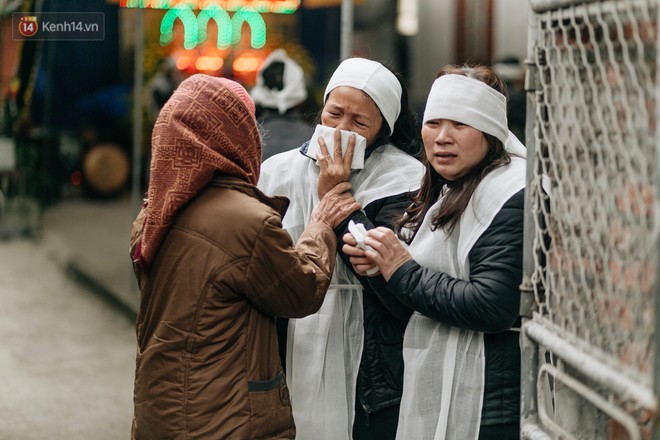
point(380, 377)
point(489, 302)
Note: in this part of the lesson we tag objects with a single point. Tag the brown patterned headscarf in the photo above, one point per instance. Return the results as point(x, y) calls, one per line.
point(207, 127)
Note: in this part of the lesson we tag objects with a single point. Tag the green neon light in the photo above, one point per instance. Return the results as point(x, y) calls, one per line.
point(257, 27)
point(229, 29)
point(221, 19)
point(189, 21)
point(260, 6)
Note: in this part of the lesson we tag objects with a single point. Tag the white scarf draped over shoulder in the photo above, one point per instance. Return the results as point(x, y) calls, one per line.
point(324, 349)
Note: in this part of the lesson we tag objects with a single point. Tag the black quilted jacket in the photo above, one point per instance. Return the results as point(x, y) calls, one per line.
point(380, 377)
point(489, 302)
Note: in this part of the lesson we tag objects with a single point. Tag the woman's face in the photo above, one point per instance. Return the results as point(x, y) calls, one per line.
point(453, 149)
point(353, 110)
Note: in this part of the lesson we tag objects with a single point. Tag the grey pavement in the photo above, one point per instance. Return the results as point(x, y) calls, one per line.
point(68, 354)
point(90, 238)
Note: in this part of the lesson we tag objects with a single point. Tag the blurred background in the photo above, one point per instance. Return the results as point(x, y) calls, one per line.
point(76, 115)
point(75, 129)
point(68, 107)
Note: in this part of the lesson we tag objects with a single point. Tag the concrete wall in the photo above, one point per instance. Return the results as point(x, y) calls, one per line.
point(374, 34)
point(433, 46)
point(510, 31)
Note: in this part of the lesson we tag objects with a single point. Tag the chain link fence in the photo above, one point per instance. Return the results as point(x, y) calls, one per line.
point(591, 258)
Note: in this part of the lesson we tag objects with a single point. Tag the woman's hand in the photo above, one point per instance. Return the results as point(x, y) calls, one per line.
point(389, 253)
point(361, 263)
point(334, 170)
point(335, 206)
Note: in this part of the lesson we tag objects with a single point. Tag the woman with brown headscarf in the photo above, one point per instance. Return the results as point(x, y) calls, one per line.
point(214, 268)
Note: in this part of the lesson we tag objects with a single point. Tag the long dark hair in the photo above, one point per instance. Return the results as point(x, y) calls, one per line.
point(459, 191)
point(405, 135)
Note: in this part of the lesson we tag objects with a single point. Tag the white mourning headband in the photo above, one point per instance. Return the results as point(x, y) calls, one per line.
point(468, 101)
point(375, 80)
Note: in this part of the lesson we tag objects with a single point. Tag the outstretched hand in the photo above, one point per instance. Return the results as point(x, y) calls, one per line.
point(334, 170)
point(335, 206)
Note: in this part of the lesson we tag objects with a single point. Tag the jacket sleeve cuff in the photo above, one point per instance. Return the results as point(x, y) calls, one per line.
point(357, 216)
point(317, 228)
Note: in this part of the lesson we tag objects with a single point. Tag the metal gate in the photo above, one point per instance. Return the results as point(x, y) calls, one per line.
point(589, 294)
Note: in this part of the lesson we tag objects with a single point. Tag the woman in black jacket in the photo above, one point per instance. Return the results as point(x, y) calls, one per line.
point(462, 267)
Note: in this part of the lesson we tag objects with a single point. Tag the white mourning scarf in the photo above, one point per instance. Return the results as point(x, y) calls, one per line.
point(324, 349)
point(444, 366)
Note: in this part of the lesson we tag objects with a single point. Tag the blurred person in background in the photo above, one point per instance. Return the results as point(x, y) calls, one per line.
point(457, 262)
point(279, 91)
point(214, 267)
point(161, 86)
point(344, 364)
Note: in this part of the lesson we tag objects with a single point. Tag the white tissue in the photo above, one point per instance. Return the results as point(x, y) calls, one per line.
point(328, 135)
point(359, 233)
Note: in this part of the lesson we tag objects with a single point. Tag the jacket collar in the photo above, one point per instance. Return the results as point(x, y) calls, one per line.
point(278, 203)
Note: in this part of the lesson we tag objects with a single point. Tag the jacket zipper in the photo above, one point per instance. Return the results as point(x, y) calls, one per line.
point(366, 415)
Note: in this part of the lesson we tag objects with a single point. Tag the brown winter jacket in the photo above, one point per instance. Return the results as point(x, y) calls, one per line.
point(207, 362)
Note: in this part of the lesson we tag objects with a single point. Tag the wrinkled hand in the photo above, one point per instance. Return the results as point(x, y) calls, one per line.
point(335, 206)
point(334, 170)
point(389, 253)
point(361, 263)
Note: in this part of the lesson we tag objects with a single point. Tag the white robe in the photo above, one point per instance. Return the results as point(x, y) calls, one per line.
point(324, 349)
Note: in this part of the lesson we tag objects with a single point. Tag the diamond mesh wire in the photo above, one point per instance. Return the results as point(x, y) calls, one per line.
point(596, 227)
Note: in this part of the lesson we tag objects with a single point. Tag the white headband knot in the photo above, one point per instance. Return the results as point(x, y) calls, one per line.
point(468, 101)
point(375, 80)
